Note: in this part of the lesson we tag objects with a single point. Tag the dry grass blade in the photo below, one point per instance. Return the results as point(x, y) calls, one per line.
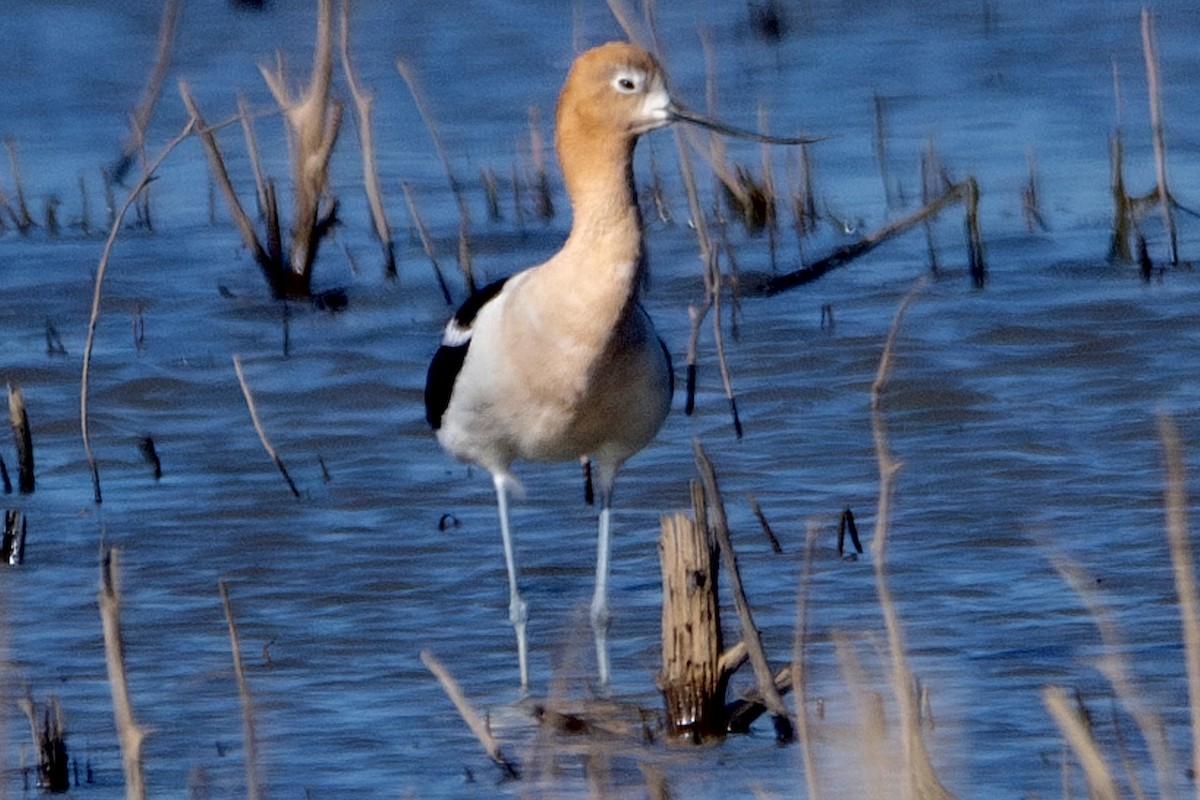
point(1154, 89)
point(1101, 785)
point(258, 428)
point(960, 192)
point(253, 789)
point(366, 139)
point(140, 119)
point(20, 215)
point(95, 315)
point(129, 733)
point(464, 250)
point(921, 781)
point(313, 122)
point(1178, 537)
point(220, 173)
point(470, 716)
point(758, 657)
point(426, 241)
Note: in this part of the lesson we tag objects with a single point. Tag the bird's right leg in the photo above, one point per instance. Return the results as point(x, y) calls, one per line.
point(518, 612)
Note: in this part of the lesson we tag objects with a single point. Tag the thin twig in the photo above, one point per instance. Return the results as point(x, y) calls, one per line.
point(758, 657)
point(1154, 89)
point(464, 250)
point(470, 716)
point(129, 733)
point(959, 192)
point(262, 434)
point(253, 788)
point(921, 782)
point(140, 119)
point(95, 315)
point(366, 139)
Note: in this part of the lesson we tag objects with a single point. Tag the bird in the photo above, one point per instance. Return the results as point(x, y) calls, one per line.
point(561, 361)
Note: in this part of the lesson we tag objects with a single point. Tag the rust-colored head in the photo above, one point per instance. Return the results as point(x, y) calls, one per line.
point(615, 89)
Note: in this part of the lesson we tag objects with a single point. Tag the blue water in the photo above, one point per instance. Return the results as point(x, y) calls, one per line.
point(1024, 413)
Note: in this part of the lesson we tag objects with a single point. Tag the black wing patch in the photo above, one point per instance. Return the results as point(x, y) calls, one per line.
point(448, 360)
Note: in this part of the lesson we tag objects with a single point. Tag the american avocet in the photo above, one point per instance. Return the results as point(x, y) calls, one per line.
point(561, 361)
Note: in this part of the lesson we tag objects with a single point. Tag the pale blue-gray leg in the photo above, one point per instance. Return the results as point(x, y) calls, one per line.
point(600, 616)
point(518, 612)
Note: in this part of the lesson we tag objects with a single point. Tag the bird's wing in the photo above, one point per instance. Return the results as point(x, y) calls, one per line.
point(449, 358)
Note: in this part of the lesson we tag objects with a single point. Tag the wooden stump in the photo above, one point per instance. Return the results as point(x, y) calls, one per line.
point(692, 681)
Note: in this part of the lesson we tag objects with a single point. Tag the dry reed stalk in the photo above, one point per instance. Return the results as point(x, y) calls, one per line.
point(776, 547)
point(959, 192)
point(12, 545)
point(22, 438)
point(491, 191)
point(920, 779)
point(478, 727)
point(1031, 206)
point(220, 173)
point(426, 242)
point(1115, 668)
point(265, 203)
point(890, 195)
point(253, 788)
point(258, 428)
point(139, 120)
point(799, 687)
point(85, 210)
point(20, 215)
point(1101, 785)
point(50, 741)
point(977, 264)
point(363, 101)
point(931, 180)
point(1118, 249)
point(712, 290)
point(1154, 89)
point(543, 200)
point(1178, 537)
point(464, 226)
point(94, 318)
point(313, 122)
point(129, 733)
point(764, 679)
point(707, 256)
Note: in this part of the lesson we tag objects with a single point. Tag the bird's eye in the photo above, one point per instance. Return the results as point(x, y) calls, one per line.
point(626, 83)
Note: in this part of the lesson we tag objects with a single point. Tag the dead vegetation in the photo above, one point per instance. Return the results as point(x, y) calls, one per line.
point(697, 667)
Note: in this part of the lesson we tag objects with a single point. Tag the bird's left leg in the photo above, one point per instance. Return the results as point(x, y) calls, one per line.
point(599, 615)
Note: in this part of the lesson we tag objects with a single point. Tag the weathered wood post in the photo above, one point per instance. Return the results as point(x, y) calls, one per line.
point(692, 681)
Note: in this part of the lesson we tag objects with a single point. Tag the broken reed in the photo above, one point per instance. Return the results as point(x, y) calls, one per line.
point(22, 437)
point(1127, 209)
point(464, 214)
point(312, 120)
point(363, 101)
point(50, 743)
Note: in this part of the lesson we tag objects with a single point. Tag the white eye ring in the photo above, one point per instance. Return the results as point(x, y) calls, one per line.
point(628, 82)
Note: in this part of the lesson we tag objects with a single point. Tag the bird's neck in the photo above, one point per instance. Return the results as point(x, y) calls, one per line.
point(606, 228)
